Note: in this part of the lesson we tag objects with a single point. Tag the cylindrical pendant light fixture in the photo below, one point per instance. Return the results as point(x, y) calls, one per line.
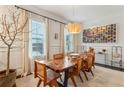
point(74, 28)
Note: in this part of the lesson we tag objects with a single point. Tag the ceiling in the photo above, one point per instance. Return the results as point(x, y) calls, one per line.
point(82, 13)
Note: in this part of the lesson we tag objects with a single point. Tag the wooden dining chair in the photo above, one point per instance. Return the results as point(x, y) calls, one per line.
point(47, 76)
point(93, 63)
point(87, 65)
point(58, 56)
point(93, 53)
point(76, 71)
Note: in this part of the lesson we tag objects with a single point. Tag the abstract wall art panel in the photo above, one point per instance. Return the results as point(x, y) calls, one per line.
point(102, 34)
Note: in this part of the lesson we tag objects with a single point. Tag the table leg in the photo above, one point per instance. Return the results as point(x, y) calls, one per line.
point(105, 59)
point(66, 78)
point(59, 84)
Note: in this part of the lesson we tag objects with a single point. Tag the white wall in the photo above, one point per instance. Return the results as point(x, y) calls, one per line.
point(118, 19)
point(54, 44)
point(113, 19)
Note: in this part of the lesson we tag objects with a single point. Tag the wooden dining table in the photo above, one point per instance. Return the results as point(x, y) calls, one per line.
point(60, 65)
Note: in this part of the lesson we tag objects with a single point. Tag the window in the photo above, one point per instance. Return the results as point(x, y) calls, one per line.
point(38, 36)
point(68, 41)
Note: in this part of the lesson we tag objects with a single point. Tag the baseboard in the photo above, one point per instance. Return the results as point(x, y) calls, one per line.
point(20, 76)
point(111, 67)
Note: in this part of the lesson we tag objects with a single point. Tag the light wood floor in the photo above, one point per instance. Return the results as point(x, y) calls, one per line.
point(103, 78)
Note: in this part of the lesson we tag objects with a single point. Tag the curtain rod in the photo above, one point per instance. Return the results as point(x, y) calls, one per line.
point(39, 14)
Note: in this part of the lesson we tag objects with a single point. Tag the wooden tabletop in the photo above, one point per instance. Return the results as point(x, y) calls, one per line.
point(59, 65)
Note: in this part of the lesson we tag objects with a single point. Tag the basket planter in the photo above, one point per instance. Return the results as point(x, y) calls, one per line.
point(8, 80)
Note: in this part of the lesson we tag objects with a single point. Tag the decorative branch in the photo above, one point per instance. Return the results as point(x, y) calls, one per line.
point(10, 31)
point(7, 28)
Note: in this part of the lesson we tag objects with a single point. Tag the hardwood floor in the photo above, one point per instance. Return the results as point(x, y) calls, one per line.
point(103, 77)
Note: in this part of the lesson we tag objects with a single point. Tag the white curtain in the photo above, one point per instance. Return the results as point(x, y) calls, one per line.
point(26, 69)
point(62, 26)
point(43, 20)
point(54, 44)
point(77, 42)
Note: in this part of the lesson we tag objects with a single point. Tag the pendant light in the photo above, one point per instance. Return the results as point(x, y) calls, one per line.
point(74, 27)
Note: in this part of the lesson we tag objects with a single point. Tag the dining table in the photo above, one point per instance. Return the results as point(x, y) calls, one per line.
point(59, 66)
point(74, 54)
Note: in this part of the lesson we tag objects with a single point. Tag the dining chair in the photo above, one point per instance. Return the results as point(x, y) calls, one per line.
point(87, 65)
point(91, 50)
point(58, 56)
point(69, 53)
point(76, 70)
point(47, 76)
point(93, 63)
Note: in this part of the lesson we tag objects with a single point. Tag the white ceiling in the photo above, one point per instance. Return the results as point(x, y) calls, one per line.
point(83, 13)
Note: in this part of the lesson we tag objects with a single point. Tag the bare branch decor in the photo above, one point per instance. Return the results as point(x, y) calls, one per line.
point(10, 30)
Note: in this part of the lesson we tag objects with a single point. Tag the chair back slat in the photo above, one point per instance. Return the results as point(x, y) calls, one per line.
point(58, 56)
point(78, 67)
point(91, 50)
point(40, 71)
point(89, 60)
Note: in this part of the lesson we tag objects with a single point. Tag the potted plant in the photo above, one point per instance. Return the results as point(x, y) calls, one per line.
point(11, 28)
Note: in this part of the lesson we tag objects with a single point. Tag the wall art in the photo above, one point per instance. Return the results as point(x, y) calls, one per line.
point(102, 34)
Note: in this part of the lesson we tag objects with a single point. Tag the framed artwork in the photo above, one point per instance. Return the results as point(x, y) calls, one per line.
point(102, 34)
point(56, 36)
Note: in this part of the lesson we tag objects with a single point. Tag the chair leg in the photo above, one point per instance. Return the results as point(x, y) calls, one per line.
point(53, 84)
point(80, 77)
point(56, 84)
point(39, 82)
point(91, 72)
point(85, 74)
point(93, 66)
point(73, 80)
point(50, 85)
